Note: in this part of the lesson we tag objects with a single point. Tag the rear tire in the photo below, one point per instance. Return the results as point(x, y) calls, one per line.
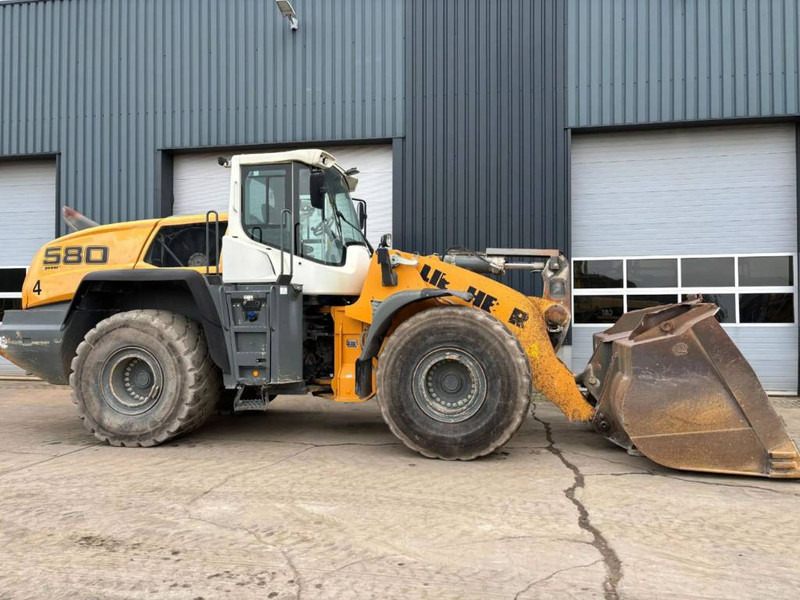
point(144, 377)
point(453, 383)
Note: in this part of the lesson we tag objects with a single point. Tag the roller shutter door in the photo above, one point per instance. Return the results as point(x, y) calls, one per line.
point(28, 208)
point(658, 214)
point(200, 184)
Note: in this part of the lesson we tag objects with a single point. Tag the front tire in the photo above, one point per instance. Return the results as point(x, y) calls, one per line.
point(144, 377)
point(453, 383)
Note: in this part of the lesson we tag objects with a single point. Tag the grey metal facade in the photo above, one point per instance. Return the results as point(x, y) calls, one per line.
point(109, 84)
point(484, 160)
point(650, 61)
point(478, 96)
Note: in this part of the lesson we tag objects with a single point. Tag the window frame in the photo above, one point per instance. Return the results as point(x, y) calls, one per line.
point(296, 209)
point(289, 170)
point(736, 290)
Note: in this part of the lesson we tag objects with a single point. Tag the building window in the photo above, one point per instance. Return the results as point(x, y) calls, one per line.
point(652, 273)
point(598, 274)
point(639, 301)
point(11, 280)
point(765, 271)
point(708, 272)
point(598, 309)
point(766, 308)
point(749, 289)
point(9, 304)
point(726, 303)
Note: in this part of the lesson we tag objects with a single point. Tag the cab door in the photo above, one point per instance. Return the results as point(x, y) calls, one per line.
point(260, 231)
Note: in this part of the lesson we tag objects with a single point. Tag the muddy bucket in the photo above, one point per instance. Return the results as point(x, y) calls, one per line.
point(669, 382)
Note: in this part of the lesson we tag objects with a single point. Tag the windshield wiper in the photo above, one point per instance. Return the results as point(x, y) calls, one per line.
point(361, 233)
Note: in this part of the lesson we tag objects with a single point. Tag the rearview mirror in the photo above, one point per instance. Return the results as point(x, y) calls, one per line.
point(361, 212)
point(318, 189)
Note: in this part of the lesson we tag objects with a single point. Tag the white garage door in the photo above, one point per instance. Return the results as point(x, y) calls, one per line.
point(200, 184)
point(659, 214)
point(28, 208)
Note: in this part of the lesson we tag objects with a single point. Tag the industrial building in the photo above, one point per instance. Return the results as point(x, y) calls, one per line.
point(655, 142)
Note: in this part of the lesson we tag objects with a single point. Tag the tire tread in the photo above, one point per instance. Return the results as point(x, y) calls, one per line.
point(202, 377)
point(397, 343)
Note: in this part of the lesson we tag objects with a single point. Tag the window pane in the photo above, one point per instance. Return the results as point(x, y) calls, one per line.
point(726, 303)
point(653, 272)
point(319, 229)
point(9, 304)
point(766, 308)
point(264, 196)
point(765, 270)
point(597, 309)
point(707, 272)
point(11, 280)
point(598, 274)
point(641, 301)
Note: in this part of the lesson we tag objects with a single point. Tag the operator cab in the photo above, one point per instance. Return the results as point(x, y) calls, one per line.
point(291, 218)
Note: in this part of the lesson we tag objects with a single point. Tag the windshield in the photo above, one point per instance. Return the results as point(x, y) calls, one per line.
point(324, 235)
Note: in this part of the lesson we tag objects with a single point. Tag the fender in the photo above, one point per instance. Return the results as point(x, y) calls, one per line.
point(381, 322)
point(137, 284)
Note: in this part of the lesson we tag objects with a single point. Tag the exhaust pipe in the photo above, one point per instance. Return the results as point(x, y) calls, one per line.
point(76, 221)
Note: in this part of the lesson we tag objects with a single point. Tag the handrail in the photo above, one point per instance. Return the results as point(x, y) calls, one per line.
point(286, 224)
point(216, 242)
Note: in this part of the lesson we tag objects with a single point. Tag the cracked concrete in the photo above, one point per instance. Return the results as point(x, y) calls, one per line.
point(599, 541)
point(312, 500)
point(533, 584)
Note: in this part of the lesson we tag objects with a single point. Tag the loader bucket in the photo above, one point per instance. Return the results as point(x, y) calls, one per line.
point(669, 382)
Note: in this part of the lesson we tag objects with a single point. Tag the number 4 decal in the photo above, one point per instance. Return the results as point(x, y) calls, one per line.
point(37, 287)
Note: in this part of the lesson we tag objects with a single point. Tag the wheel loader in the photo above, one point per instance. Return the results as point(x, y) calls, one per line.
point(152, 322)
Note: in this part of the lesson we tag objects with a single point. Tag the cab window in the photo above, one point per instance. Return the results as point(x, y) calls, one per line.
point(265, 190)
point(319, 231)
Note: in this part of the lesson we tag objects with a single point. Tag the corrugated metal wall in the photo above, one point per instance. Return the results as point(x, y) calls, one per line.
point(643, 61)
point(476, 87)
point(484, 154)
point(107, 83)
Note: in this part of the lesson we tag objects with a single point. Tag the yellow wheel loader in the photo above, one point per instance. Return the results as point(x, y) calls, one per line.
point(150, 328)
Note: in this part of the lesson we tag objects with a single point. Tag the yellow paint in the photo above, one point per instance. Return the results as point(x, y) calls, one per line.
point(127, 244)
point(58, 282)
point(347, 334)
point(549, 374)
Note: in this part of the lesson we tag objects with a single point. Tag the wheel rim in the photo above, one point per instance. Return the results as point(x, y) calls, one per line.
point(132, 380)
point(449, 385)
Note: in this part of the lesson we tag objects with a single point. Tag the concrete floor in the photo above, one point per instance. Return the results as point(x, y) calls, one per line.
point(314, 500)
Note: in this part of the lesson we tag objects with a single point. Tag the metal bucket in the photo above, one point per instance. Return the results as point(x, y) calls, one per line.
point(669, 382)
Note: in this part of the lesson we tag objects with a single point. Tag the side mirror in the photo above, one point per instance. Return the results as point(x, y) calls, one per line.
point(317, 188)
point(361, 212)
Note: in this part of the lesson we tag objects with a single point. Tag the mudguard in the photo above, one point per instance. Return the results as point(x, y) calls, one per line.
point(382, 321)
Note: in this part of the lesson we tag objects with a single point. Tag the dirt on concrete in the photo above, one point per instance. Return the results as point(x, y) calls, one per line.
point(314, 500)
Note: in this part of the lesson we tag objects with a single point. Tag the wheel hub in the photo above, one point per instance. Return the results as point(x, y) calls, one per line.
point(449, 385)
point(131, 380)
